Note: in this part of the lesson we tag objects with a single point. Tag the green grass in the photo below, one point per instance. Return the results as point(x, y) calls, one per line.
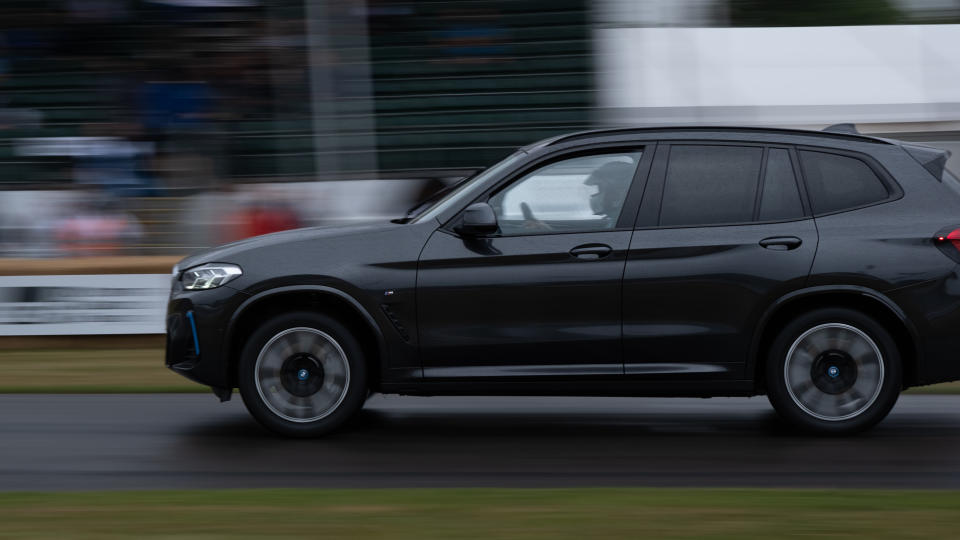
point(112, 371)
point(944, 388)
point(89, 371)
point(482, 513)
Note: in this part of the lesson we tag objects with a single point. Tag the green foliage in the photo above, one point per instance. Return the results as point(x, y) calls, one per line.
point(813, 13)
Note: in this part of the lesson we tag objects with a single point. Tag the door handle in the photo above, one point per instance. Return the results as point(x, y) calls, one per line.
point(591, 251)
point(781, 243)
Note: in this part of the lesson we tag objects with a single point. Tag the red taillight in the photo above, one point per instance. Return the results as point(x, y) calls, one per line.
point(949, 242)
point(954, 238)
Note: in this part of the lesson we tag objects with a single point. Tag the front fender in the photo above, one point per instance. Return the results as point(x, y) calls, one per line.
point(259, 298)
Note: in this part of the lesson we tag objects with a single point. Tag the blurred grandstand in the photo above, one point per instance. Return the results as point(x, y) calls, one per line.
point(161, 126)
point(154, 101)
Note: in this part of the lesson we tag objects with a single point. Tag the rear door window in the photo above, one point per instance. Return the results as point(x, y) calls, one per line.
point(708, 185)
point(836, 182)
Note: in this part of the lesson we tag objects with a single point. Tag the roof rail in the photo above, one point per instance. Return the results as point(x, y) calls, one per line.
point(829, 132)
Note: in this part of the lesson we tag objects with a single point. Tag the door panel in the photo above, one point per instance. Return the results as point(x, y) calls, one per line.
point(692, 296)
point(521, 305)
point(541, 298)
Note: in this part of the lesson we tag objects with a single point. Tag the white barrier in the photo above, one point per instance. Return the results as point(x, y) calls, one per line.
point(803, 75)
point(71, 305)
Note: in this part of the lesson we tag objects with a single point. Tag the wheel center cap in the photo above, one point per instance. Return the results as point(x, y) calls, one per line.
point(303, 374)
point(834, 372)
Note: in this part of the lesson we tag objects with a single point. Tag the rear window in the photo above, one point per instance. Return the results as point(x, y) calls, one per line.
point(836, 182)
point(951, 181)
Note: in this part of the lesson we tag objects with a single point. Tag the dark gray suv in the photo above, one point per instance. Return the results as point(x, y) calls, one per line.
point(819, 268)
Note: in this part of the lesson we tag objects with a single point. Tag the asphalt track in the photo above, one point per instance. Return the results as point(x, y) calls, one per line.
point(71, 442)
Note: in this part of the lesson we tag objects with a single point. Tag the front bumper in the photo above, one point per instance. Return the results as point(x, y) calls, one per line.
point(196, 345)
point(183, 340)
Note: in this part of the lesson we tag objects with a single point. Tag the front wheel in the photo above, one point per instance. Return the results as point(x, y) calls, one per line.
point(833, 370)
point(302, 374)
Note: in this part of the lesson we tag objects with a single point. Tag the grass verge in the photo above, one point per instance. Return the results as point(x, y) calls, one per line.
point(89, 371)
point(134, 370)
point(481, 513)
point(944, 388)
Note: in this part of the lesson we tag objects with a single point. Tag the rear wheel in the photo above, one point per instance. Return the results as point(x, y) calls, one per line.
point(302, 374)
point(834, 370)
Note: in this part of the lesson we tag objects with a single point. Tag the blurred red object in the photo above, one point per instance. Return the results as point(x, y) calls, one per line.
point(261, 219)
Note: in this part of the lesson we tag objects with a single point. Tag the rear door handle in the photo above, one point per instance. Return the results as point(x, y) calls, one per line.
point(591, 251)
point(781, 243)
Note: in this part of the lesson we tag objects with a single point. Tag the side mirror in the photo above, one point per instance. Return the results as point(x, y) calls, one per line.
point(478, 219)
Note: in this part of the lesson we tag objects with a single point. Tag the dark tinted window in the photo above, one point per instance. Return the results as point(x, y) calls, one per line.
point(780, 198)
point(710, 184)
point(836, 182)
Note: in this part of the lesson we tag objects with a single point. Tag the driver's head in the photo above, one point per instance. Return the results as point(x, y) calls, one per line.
point(612, 181)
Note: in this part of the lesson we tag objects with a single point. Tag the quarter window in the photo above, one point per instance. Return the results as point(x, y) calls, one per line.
point(585, 193)
point(710, 184)
point(837, 182)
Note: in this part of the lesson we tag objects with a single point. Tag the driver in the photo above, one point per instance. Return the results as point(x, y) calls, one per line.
point(612, 181)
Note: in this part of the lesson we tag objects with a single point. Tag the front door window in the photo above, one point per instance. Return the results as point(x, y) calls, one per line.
point(580, 194)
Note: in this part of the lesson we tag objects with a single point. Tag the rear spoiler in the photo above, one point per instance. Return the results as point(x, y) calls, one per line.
point(933, 160)
point(850, 129)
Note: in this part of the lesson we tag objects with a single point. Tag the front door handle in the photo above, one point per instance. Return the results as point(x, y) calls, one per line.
point(591, 251)
point(781, 243)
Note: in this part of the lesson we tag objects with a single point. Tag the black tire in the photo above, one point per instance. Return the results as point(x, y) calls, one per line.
point(302, 393)
point(854, 375)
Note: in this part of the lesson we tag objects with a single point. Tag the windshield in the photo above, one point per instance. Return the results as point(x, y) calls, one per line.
point(467, 189)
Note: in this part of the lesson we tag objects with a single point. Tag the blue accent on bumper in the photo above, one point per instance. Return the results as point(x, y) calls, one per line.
point(193, 328)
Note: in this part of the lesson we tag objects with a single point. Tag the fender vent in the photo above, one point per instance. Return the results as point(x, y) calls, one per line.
point(395, 321)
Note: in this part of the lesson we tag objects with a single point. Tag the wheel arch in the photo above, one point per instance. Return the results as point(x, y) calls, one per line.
point(868, 301)
point(320, 298)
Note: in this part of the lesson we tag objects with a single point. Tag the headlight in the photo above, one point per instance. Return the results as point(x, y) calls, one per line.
point(209, 276)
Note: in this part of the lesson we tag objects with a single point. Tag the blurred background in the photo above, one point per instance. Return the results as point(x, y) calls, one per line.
point(133, 132)
point(157, 127)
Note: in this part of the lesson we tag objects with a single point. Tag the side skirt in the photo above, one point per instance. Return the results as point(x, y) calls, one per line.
point(619, 388)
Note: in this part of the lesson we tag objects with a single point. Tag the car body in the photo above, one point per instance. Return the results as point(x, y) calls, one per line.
point(712, 253)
